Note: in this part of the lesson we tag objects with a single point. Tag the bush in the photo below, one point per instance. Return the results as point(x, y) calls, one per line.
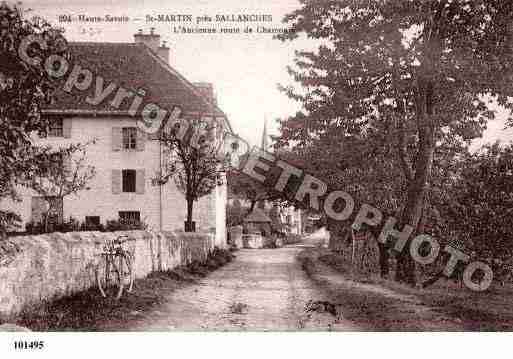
point(72, 225)
point(119, 225)
point(222, 253)
point(293, 238)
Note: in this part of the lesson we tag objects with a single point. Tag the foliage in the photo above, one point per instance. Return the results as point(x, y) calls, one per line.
point(62, 172)
point(412, 75)
point(73, 225)
point(235, 214)
point(191, 162)
point(244, 187)
point(70, 225)
point(479, 211)
point(120, 225)
point(24, 90)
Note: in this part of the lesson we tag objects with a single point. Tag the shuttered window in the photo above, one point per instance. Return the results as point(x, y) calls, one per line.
point(129, 138)
point(129, 180)
point(56, 128)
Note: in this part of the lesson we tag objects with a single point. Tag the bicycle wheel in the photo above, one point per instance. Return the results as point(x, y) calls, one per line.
point(108, 278)
point(126, 271)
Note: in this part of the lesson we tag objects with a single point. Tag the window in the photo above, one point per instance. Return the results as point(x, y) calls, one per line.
point(129, 180)
point(129, 138)
point(56, 128)
point(92, 221)
point(130, 217)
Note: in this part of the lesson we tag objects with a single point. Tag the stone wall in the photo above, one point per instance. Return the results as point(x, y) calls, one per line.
point(236, 237)
point(253, 241)
point(45, 267)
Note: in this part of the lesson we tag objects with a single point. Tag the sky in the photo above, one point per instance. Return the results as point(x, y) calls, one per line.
point(244, 68)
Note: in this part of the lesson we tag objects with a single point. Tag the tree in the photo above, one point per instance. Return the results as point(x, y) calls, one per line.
point(234, 214)
point(24, 90)
point(246, 188)
point(192, 161)
point(481, 205)
point(419, 72)
point(62, 172)
point(359, 165)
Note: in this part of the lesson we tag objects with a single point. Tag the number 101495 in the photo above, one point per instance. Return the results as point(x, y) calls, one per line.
point(32, 345)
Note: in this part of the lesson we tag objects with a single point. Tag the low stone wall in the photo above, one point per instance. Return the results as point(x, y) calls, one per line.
point(236, 237)
point(253, 241)
point(45, 267)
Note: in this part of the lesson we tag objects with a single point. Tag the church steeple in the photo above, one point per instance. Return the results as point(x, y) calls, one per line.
point(265, 143)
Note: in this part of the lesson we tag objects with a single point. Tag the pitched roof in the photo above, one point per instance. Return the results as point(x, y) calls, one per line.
point(131, 66)
point(257, 216)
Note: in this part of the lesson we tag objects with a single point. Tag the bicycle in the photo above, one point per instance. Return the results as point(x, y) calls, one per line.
point(114, 272)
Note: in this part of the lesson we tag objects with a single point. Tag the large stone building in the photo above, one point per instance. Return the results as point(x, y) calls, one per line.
point(127, 159)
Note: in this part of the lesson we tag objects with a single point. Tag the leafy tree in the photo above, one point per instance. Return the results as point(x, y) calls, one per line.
point(234, 214)
point(418, 72)
point(481, 204)
point(24, 90)
point(256, 193)
point(359, 165)
point(192, 162)
point(61, 173)
point(246, 188)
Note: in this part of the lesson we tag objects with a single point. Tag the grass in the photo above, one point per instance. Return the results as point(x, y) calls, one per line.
point(449, 302)
point(238, 308)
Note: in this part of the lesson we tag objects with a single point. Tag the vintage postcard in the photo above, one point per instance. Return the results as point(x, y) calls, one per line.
point(255, 166)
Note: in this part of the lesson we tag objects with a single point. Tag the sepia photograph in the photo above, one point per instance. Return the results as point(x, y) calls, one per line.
point(255, 166)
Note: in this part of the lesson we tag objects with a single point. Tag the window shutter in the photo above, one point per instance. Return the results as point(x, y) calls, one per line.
point(116, 181)
point(140, 182)
point(141, 140)
point(66, 127)
point(117, 138)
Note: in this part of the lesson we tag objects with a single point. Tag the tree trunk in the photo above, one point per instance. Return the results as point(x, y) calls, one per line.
point(384, 255)
point(47, 215)
point(383, 260)
point(252, 207)
point(415, 199)
point(190, 207)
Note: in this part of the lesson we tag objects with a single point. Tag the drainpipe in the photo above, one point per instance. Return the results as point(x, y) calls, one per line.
point(161, 219)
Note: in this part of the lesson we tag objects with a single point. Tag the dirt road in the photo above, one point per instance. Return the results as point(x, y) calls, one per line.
point(260, 290)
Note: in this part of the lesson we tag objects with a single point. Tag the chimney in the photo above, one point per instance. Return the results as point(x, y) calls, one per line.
point(207, 90)
point(163, 52)
point(151, 40)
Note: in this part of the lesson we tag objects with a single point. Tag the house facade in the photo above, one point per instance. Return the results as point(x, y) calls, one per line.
point(126, 159)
